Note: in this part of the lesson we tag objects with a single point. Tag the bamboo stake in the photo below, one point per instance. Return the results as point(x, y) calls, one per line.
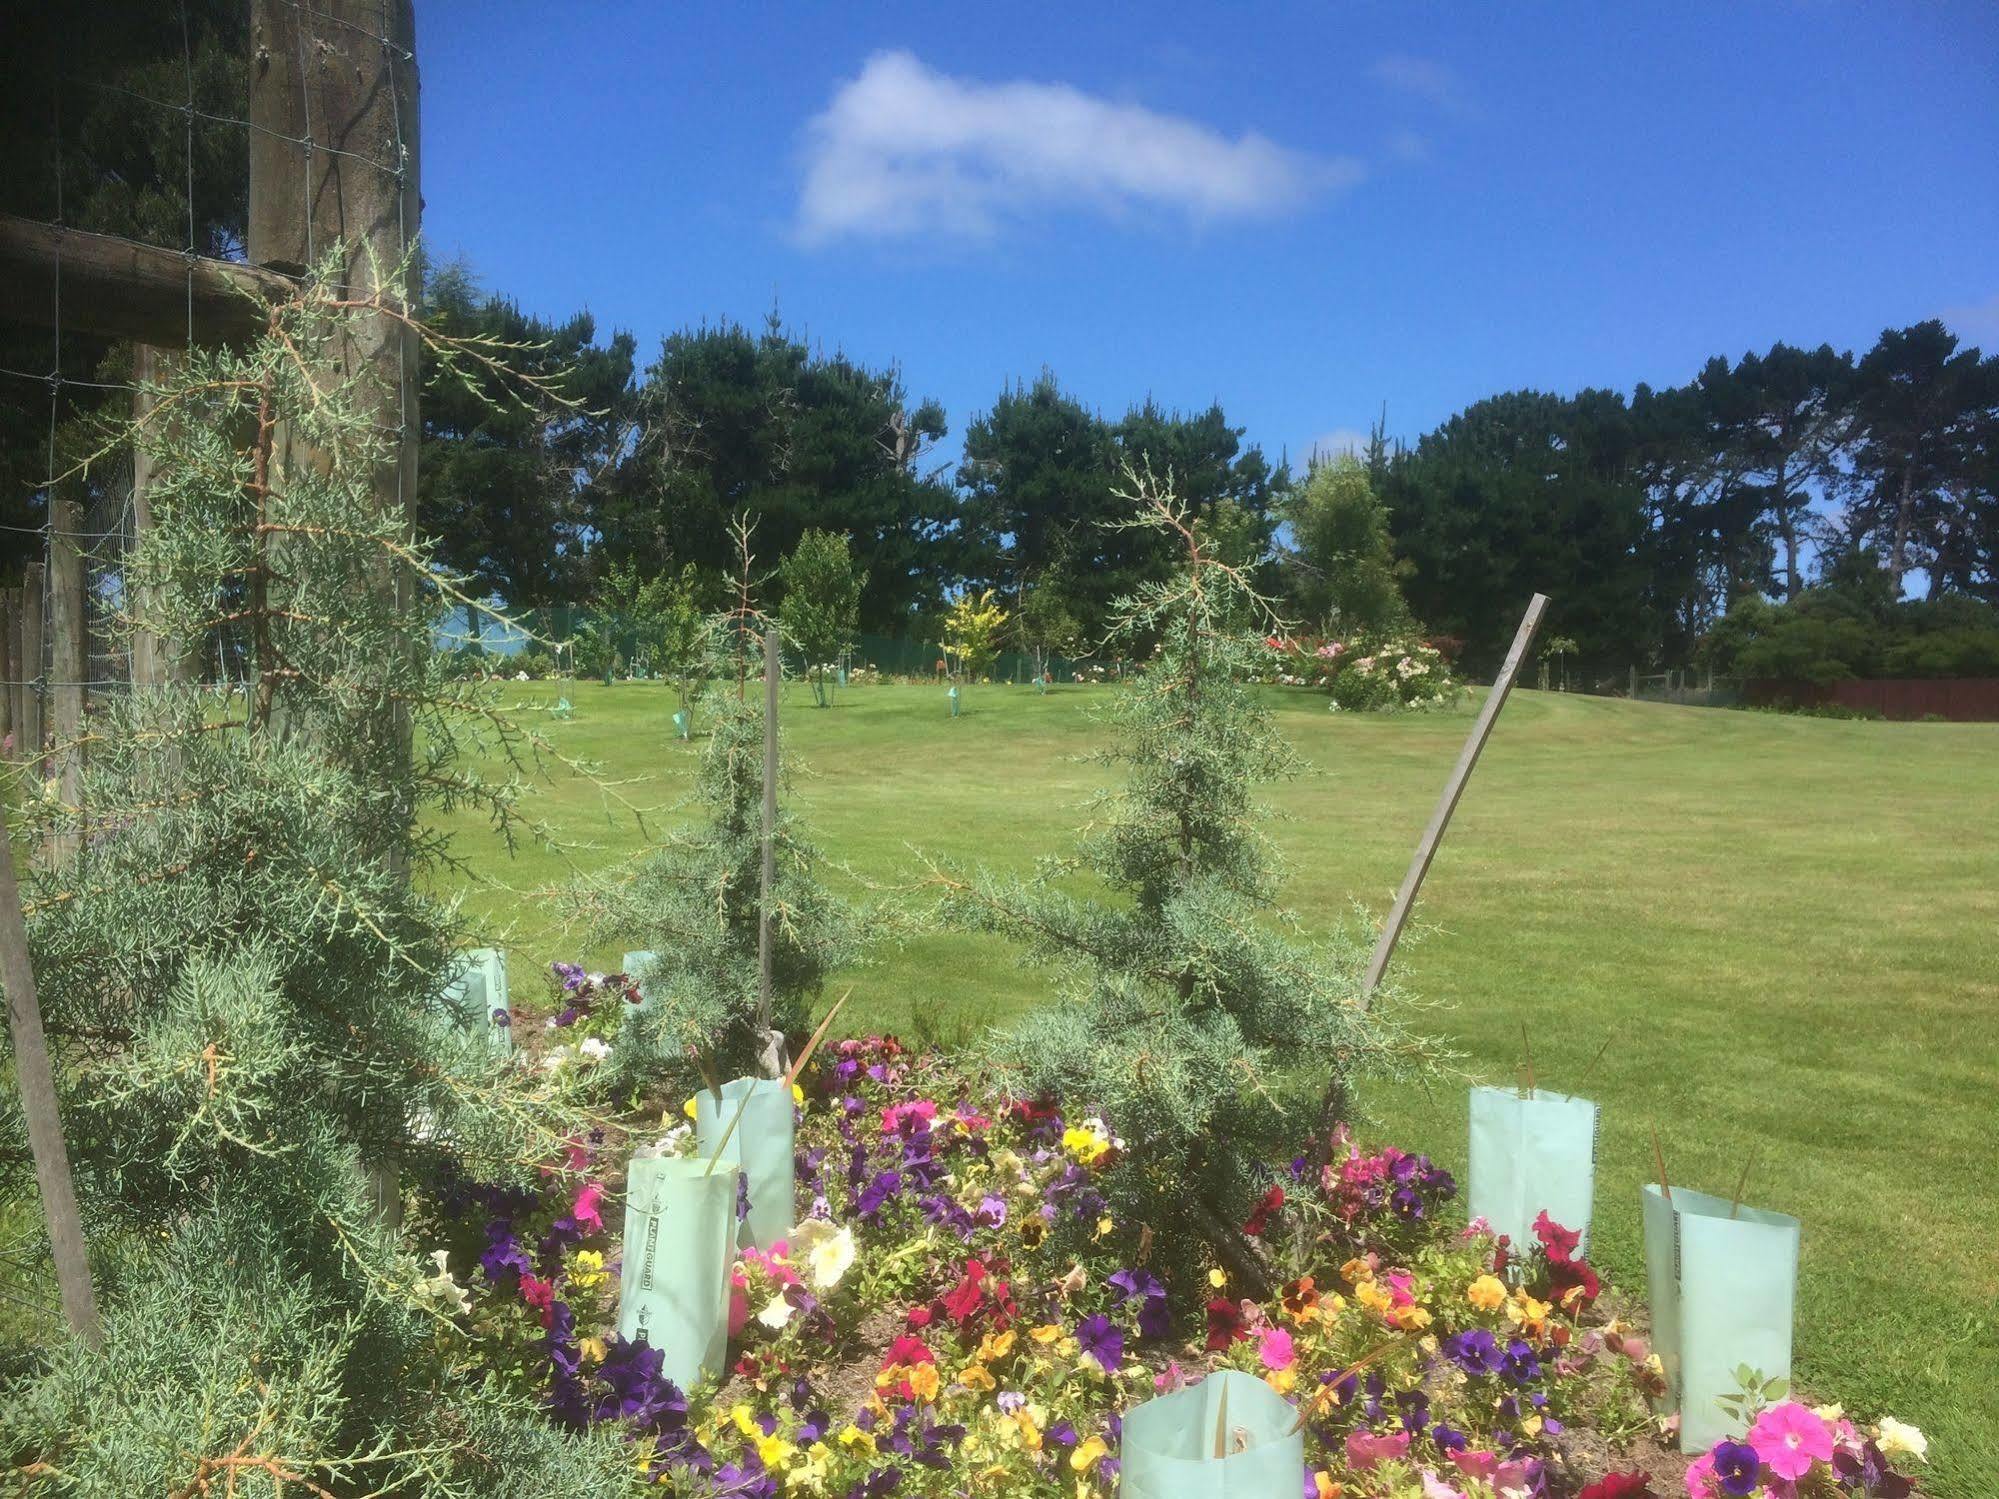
point(1221, 1425)
point(1659, 1156)
point(773, 675)
point(1742, 1181)
point(790, 1078)
point(1595, 1059)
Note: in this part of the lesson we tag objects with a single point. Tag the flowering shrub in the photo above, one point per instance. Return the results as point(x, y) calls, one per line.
point(1364, 675)
point(961, 1313)
point(1394, 674)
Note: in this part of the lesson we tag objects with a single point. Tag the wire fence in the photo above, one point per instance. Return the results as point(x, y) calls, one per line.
point(182, 158)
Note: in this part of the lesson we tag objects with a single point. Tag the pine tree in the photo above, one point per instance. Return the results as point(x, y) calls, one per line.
point(1188, 1011)
point(241, 967)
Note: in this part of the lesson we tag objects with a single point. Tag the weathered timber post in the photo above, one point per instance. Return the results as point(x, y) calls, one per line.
point(36, 1078)
point(10, 653)
point(333, 160)
point(68, 661)
point(28, 737)
point(155, 660)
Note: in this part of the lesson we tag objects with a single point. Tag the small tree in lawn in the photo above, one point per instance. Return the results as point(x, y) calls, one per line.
point(822, 602)
point(973, 630)
point(695, 901)
point(1189, 1013)
point(1046, 621)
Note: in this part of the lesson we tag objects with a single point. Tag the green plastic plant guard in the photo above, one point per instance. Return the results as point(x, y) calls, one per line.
point(637, 966)
point(1530, 1155)
point(562, 709)
point(954, 702)
point(680, 722)
point(680, 1241)
point(1723, 1293)
point(1169, 1443)
point(762, 1143)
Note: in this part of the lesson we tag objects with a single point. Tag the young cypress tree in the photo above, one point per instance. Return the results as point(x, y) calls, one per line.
point(695, 902)
point(1189, 1013)
point(241, 968)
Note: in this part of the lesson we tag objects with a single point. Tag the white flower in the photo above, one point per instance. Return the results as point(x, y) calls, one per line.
point(442, 1288)
point(828, 1251)
point(1900, 1439)
point(776, 1312)
point(595, 1048)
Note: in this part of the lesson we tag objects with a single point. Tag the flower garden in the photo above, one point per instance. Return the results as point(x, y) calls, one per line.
point(957, 1310)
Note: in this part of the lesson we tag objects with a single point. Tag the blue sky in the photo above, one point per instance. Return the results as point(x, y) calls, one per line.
point(1303, 211)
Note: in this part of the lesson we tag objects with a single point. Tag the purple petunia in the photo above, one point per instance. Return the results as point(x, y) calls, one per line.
point(1101, 1341)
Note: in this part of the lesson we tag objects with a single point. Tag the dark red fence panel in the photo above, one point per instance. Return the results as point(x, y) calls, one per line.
point(1960, 699)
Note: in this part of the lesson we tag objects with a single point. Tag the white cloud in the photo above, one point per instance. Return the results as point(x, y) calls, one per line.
point(1975, 322)
point(1332, 444)
point(1424, 78)
point(905, 150)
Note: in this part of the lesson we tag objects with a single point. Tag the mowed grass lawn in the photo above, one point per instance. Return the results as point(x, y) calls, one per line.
point(1788, 929)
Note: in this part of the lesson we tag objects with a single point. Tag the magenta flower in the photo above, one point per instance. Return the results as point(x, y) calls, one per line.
point(1277, 1351)
point(1789, 1439)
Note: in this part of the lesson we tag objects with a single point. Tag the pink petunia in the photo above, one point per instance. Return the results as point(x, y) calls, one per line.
point(1480, 1464)
point(1277, 1352)
point(1701, 1482)
point(589, 1208)
point(1365, 1448)
point(1789, 1438)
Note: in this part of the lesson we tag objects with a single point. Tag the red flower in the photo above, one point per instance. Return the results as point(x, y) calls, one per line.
point(907, 1351)
point(1224, 1324)
point(1565, 1275)
point(1619, 1486)
point(919, 1316)
point(964, 1301)
point(1259, 1218)
point(1558, 1241)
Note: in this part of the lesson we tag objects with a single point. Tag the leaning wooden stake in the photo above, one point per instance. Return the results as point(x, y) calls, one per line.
point(38, 1102)
point(773, 673)
point(1433, 835)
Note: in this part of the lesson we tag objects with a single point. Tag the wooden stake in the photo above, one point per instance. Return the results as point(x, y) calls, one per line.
point(38, 1102)
point(790, 1078)
point(1659, 1157)
point(1742, 1181)
point(1440, 819)
point(773, 675)
point(1595, 1059)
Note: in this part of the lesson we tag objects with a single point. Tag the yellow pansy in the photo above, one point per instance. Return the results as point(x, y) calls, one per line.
point(592, 1350)
point(775, 1451)
point(688, 1108)
point(1088, 1454)
point(1048, 1332)
point(975, 1377)
point(1487, 1293)
point(1356, 1271)
point(853, 1436)
point(1030, 1434)
point(1284, 1381)
point(745, 1420)
point(1104, 1226)
point(798, 1095)
point(1218, 1277)
point(923, 1380)
point(995, 1345)
point(586, 1271)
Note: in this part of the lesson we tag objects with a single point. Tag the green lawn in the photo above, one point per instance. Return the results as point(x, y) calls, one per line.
point(1789, 927)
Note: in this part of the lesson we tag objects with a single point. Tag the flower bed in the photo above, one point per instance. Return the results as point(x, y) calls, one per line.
point(959, 1313)
point(1364, 675)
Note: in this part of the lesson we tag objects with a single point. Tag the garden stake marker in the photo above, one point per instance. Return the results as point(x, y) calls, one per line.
point(790, 1080)
point(1658, 1155)
point(1597, 1058)
point(1735, 1202)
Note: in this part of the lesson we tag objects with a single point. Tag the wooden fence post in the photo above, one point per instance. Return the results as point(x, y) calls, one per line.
point(155, 661)
point(36, 1079)
point(1440, 819)
point(29, 744)
point(10, 650)
point(69, 659)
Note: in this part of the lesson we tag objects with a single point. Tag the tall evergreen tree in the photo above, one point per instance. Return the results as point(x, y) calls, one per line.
point(1199, 1026)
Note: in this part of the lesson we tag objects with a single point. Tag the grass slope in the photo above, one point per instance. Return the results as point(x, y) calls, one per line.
point(1789, 927)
